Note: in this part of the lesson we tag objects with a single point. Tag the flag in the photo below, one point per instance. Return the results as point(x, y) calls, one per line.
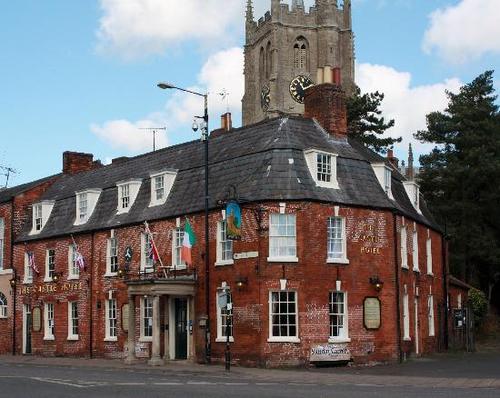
point(187, 243)
point(152, 252)
point(79, 260)
point(31, 262)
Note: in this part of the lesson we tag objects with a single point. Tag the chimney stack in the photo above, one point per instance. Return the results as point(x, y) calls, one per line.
point(76, 162)
point(325, 102)
point(226, 122)
point(392, 159)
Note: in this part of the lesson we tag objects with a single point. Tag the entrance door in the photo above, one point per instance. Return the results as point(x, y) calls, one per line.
point(180, 328)
point(417, 344)
point(27, 329)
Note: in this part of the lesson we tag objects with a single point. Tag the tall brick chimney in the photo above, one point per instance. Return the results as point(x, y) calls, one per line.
point(325, 102)
point(226, 122)
point(76, 162)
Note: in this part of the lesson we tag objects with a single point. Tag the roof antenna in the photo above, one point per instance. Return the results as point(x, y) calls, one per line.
point(7, 172)
point(225, 97)
point(153, 130)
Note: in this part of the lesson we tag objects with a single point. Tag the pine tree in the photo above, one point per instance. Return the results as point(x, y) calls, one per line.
point(461, 178)
point(365, 122)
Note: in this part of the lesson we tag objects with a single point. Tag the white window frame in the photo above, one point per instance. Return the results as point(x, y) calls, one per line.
point(406, 317)
point(73, 268)
point(127, 194)
point(73, 321)
point(221, 323)
point(404, 247)
point(28, 271)
point(177, 240)
point(276, 237)
point(312, 156)
point(342, 259)
point(416, 265)
point(41, 213)
point(428, 248)
point(38, 217)
point(2, 242)
point(147, 264)
point(3, 306)
point(283, 339)
point(90, 197)
point(343, 336)
point(168, 178)
point(430, 310)
point(413, 193)
point(49, 274)
point(111, 255)
point(146, 316)
point(49, 322)
point(222, 244)
point(384, 177)
point(111, 317)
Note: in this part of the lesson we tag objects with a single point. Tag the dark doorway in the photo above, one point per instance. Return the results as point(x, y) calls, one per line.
point(180, 328)
point(28, 325)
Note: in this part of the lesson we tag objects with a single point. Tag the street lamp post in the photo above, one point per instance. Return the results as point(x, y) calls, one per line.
point(166, 86)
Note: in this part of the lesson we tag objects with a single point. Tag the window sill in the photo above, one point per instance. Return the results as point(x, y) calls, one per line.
point(48, 280)
point(122, 211)
point(343, 261)
point(430, 274)
point(73, 277)
point(407, 339)
point(49, 338)
point(6, 272)
point(157, 203)
point(416, 270)
point(111, 339)
point(290, 259)
point(73, 338)
point(110, 275)
point(27, 282)
point(145, 339)
point(177, 267)
point(339, 340)
point(405, 267)
point(224, 339)
point(147, 270)
point(283, 340)
point(331, 185)
point(222, 263)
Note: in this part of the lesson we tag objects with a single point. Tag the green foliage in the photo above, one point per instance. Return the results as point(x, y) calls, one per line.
point(365, 123)
point(461, 176)
point(479, 304)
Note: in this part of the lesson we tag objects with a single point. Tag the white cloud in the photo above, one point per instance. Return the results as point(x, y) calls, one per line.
point(125, 135)
point(405, 103)
point(137, 28)
point(464, 31)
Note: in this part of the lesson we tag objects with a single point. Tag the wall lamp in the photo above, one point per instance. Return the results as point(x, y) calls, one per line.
point(241, 281)
point(122, 272)
point(377, 283)
point(13, 282)
point(56, 276)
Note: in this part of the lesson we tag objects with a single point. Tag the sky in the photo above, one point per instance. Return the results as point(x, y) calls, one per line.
point(81, 75)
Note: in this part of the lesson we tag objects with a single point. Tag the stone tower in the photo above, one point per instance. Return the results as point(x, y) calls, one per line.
point(288, 48)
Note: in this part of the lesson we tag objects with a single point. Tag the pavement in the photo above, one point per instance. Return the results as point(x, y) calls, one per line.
point(444, 375)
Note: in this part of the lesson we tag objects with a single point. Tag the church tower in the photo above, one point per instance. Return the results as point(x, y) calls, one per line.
point(288, 49)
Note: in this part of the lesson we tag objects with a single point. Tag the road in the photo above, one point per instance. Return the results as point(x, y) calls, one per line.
point(443, 377)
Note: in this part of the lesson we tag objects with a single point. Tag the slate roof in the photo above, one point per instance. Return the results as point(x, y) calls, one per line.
point(6, 195)
point(264, 161)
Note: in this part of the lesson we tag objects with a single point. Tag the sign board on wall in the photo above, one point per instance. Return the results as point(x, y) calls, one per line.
point(37, 319)
point(241, 256)
point(330, 353)
point(372, 313)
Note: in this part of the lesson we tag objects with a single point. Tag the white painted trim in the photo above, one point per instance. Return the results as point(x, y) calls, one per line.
point(340, 340)
point(283, 340)
point(288, 259)
point(337, 261)
point(311, 160)
point(8, 271)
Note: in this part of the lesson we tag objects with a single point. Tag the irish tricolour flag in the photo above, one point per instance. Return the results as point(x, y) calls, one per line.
point(187, 243)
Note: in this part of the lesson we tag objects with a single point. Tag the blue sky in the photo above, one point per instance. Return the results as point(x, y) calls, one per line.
point(81, 75)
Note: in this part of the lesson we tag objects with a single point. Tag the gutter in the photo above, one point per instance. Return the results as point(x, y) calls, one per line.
point(91, 276)
point(444, 249)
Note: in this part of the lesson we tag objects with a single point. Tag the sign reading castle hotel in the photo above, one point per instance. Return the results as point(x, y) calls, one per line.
point(336, 245)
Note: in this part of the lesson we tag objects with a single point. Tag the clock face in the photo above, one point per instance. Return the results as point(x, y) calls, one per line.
point(265, 98)
point(298, 87)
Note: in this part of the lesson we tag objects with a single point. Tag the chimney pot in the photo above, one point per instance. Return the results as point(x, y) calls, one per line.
point(76, 162)
point(226, 121)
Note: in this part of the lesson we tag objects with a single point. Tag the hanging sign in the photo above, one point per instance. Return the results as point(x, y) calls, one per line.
point(233, 221)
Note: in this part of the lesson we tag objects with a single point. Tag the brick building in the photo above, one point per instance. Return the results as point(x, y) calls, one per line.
point(339, 257)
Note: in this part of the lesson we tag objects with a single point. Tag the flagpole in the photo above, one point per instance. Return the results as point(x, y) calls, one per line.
point(150, 234)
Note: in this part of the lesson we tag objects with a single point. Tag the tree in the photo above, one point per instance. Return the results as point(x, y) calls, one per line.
point(365, 123)
point(461, 178)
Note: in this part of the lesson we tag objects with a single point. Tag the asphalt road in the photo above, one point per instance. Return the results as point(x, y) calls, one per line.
point(456, 377)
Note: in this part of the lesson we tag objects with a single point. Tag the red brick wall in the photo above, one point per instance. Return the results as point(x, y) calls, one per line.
point(371, 252)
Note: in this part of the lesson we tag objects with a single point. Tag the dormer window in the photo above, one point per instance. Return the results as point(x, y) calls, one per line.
point(323, 168)
point(413, 192)
point(161, 184)
point(41, 213)
point(384, 177)
point(86, 202)
point(127, 193)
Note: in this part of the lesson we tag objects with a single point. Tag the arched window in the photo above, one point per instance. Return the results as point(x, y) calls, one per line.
point(301, 54)
point(3, 306)
point(269, 60)
point(262, 63)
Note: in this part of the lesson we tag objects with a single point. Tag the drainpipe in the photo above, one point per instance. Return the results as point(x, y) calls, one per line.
point(14, 275)
point(444, 249)
point(398, 292)
point(91, 328)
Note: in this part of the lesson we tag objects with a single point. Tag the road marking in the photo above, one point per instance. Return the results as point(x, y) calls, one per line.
point(201, 383)
point(60, 382)
point(168, 384)
point(235, 384)
point(129, 384)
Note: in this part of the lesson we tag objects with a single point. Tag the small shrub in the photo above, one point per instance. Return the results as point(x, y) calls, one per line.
point(479, 304)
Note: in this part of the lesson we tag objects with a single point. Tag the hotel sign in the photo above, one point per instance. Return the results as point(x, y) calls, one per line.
point(330, 353)
point(52, 288)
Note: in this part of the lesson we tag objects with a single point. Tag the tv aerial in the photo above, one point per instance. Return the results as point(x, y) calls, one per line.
point(153, 130)
point(7, 171)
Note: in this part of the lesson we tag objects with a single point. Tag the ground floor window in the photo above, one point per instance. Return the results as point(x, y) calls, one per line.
point(49, 321)
point(147, 318)
point(283, 320)
point(111, 320)
point(3, 306)
point(406, 317)
point(72, 320)
point(338, 316)
point(432, 329)
point(225, 320)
